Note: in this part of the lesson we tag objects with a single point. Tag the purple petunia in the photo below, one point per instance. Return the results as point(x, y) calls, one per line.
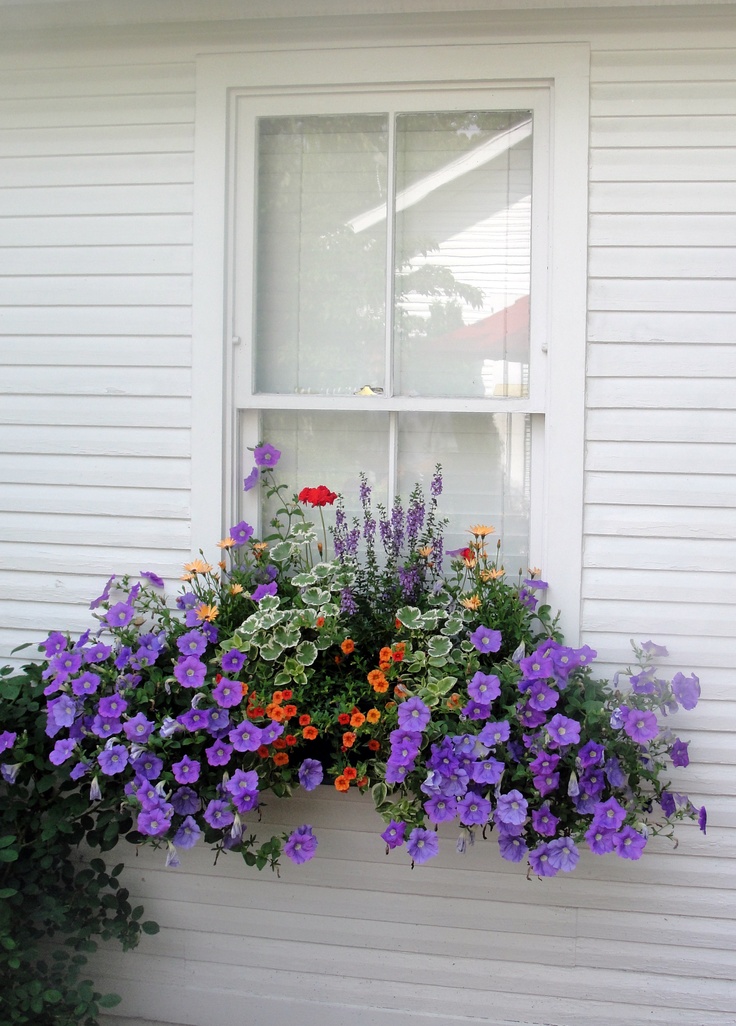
point(7, 740)
point(393, 835)
point(422, 844)
point(539, 860)
point(511, 808)
point(113, 760)
point(186, 771)
point(251, 480)
point(264, 589)
point(119, 615)
point(679, 753)
point(310, 774)
point(232, 661)
point(188, 834)
point(439, 809)
point(512, 847)
point(301, 845)
point(190, 672)
point(218, 814)
point(241, 533)
point(563, 731)
point(629, 843)
point(484, 687)
point(563, 855)
point(686, 690)
point(600, 841)
point(266, 455)
point(609, 814)
point(227, 693)
point(414, 715)
point(473, 810)
point(484, 639)
point(62, 750)
point(641, 725)
point(155, 580)
point(246, 737)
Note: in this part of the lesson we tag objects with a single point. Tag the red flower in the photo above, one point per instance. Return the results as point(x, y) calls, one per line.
point(320, 496)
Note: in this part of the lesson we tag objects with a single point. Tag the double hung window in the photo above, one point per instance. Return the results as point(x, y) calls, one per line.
point(388, 295)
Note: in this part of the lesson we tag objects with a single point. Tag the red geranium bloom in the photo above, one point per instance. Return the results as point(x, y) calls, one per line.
point(319, 496)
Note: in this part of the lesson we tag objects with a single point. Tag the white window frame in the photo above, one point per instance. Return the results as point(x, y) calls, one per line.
point(503, 74)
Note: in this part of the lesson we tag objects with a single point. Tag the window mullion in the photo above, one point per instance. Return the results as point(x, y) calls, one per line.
point(390, 252)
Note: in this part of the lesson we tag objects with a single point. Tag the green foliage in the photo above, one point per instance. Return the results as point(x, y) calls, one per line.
point(54, 904)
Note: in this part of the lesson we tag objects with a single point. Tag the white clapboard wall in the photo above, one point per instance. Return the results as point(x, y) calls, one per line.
point(95, 207)
point(95, 334)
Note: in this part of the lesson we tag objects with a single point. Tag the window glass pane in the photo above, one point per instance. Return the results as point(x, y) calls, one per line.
point(330, 449)
point(485, 465)
point(320, 286)
point(486, 472)
point(463, 232)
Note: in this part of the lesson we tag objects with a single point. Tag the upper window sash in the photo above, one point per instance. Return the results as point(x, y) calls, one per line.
point(247, 111)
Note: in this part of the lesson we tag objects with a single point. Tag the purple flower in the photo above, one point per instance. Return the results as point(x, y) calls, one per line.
point(185, 801)
point(227, 693)
point(193, 643)
point(138, 728)
point(686, 690)
point(112, 706)
point(154, 822)
point(396, 772)
point(484, 687)
point(614, 773)
point(232, 661)
point(544, 822)
point(271, 732)
point(487, 771)
point(393, 835)
point(591, 754)
point(650, 648)
point(542, 697)
point(494, 733)
point(101, 598)
point(188, 834)
point(511, 808)
point(97, 653)
point(246, 737)
point(600, 841)
point(539, 860)
point(301, 845)
point(422, 844)
point(113, 760)
point(563, 731)
point(61, 712)
point(186, 771)
point(414, 715)
point(219, 753)
point(609, 815)
point(512, 847)
point(7, 740)
point(563, 855)
point(629, 843)
point(702, 818)
point(78, 771)
point(310, 774)
point(476, 710)
point(155, 580)
point(264, 589)
point(641, 725)
point(485, 640)
point(54, 644)
point(667, 801)
point(192, 719)
point(241, 533)
point(119, 615)
point(190, 672)
point(218, 814)
point(536, 667)
point(147, 765)
point(439, 809)
point(544, 763)
point(266, 455)
point(474, 810)
point(546, 783)
point(61, 751)
point(86, 683)
point(679, 753)
point(251, 480)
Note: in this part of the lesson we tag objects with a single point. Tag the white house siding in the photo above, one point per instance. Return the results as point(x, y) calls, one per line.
point(95, 340)
point(97, 352)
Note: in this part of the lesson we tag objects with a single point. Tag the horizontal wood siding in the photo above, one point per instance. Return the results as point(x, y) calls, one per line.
point(96, 170)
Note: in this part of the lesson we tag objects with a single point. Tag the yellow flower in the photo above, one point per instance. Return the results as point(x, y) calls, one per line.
point(236, 589)
point(425, 552)
point(198, 566)
point(205, 612)
point(471, 603)
point(226, 543)
point(492, 575)
point(482, 530)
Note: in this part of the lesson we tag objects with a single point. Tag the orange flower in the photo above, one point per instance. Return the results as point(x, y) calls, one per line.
point(286, 694)
point(362, 782)
point(290, 712)
point(348, 646)
point(376, 677)
point(471, 603)
point(348, 739)
point(381, 685)
point(222, 564)
point(243, 688)
point(205, 612)
point(262, 751)
point(305, 720)
point(343, 719)
point(357, 719)
point(186, 577)
point(398, 624)
point(482, 530)
point(254, 711)
point(373, 715)
point(310, 733)
point(400, 691)
point(281, 759)
point(385, 664)
point(385, 654)
point(320, 621)
point(226, 543)
point(338, 660)
point(275, 712)
point(279, 744)
point(350, 773)
point(399, 651)
point(342, 783)
point(277, 697)
point(453, 701)
point(236, 589)
point(374, 745)
point(290, 740)
point(197, 566)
